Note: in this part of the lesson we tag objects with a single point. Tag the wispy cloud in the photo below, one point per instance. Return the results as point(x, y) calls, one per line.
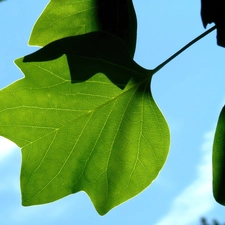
point(196, 199)
point(6, 148)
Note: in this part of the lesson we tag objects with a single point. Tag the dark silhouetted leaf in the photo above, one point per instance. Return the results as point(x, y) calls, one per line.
point(213, 11)
point(118, 17)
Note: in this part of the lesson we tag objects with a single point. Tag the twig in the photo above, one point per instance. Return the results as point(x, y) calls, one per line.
point(183, 49)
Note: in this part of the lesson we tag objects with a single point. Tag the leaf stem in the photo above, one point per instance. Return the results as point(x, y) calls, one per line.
point(183, 49)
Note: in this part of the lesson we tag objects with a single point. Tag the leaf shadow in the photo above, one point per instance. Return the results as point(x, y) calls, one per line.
point(88, 54)
point(118, 18)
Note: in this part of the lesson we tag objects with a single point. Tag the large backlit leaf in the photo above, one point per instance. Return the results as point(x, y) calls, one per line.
point(73, 17)
point(219, 160)
point(107, 139)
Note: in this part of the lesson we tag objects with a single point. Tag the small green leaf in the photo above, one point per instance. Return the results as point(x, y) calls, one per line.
point(91, 135)
point(219, 160)
point(64, 18)
point(73, 17)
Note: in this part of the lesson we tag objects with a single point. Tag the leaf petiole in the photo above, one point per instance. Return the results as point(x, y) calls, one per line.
point(183, 49)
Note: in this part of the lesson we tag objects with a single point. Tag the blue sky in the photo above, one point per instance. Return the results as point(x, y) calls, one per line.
point(190, 93)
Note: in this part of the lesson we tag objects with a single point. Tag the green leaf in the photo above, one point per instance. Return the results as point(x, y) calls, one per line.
point(92, 135)
point(73, 17)
point(219, 160)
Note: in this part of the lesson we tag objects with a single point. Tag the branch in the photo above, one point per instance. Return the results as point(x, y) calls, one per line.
point(183, 49)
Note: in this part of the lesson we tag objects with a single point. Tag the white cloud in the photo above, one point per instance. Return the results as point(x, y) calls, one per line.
point(6, 148)
point(196, 199)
